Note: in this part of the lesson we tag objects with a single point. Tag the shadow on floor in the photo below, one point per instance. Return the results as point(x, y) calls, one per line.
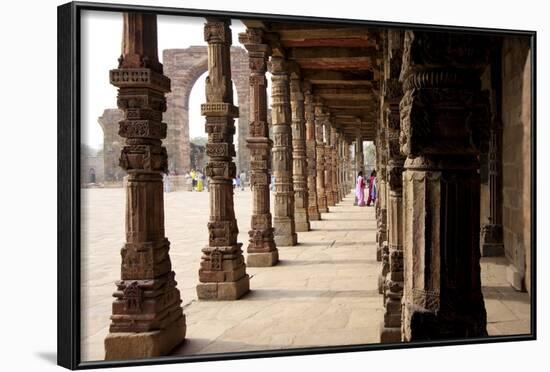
point(499, 261)
point(324, 262)
point(194, 346)
point(263, 294)
point(347, 220)
point(505, 293)
point(346, 229)
point(322, 244)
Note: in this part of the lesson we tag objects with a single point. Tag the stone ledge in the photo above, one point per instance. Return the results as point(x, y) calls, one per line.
point(129, 345)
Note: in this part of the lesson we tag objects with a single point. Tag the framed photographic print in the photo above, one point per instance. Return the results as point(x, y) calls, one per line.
point(238, 185)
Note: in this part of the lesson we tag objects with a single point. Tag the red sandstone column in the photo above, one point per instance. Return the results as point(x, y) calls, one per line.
point(393, 286)
point(443, 116)
point(313, 208)
point(321, 195)
point(261, 249)
point(329, 155)
point(336, 166)
point(147, 318)
point(222, 272)
point(381, 202)
point(299, 156)
point(283, 220)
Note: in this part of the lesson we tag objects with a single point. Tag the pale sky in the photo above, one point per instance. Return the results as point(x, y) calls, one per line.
point(100, 47)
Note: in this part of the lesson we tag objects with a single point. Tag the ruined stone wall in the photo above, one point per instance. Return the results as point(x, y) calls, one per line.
point(515, 158)
point(184, 67)
point(112, 143)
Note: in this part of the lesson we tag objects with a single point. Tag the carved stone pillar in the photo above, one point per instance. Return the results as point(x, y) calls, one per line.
point(492, 243)
point(321, 163)
point(147, 318)
point(313, 209)
point(335, 165)
point(443, 115)
point(347, 168)
point(222, 272)
point(301, 219)
point(342, 168)
point(283, 221)
point(261, 248)
point(329, 158)
point(392, 94)
point(381, 201)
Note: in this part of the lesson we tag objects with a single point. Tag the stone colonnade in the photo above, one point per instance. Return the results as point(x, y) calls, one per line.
point(432, 122)
point(147, 318)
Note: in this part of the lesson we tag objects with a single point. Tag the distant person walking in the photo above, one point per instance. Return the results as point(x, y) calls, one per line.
point(193, 179)
point(92, 175)
point(166, 182)
point(200, 179)
point(243, 179)
point(372, 188)
point(238, 181)
point(360, 190)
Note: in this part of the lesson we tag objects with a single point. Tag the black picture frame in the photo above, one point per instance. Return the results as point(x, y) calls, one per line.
point(68, 214)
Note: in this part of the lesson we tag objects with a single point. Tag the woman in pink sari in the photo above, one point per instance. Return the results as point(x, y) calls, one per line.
point(360, 190)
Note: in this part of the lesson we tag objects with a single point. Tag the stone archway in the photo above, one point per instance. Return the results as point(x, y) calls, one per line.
point(184, 67)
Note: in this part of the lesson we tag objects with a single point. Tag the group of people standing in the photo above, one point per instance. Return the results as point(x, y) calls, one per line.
point(197, 180)
point(239, 181)
point(360, 186)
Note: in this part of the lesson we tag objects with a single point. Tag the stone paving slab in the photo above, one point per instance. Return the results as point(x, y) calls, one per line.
point(322, 293)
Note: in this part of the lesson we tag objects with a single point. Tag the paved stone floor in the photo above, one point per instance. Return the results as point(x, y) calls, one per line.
point(323, 292)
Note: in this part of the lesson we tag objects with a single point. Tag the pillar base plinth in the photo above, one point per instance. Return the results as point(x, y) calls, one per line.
point(223, 291)
point(491, 240)
point(263, 259)
point(314, 216)
point(515, 278)
point(389, 334)
point(302, 226)
point(286, 240)
point(323, 210)
point(379, 254)
point(131, 345)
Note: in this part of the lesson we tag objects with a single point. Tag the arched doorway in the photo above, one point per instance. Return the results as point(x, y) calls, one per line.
point(185, 67)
